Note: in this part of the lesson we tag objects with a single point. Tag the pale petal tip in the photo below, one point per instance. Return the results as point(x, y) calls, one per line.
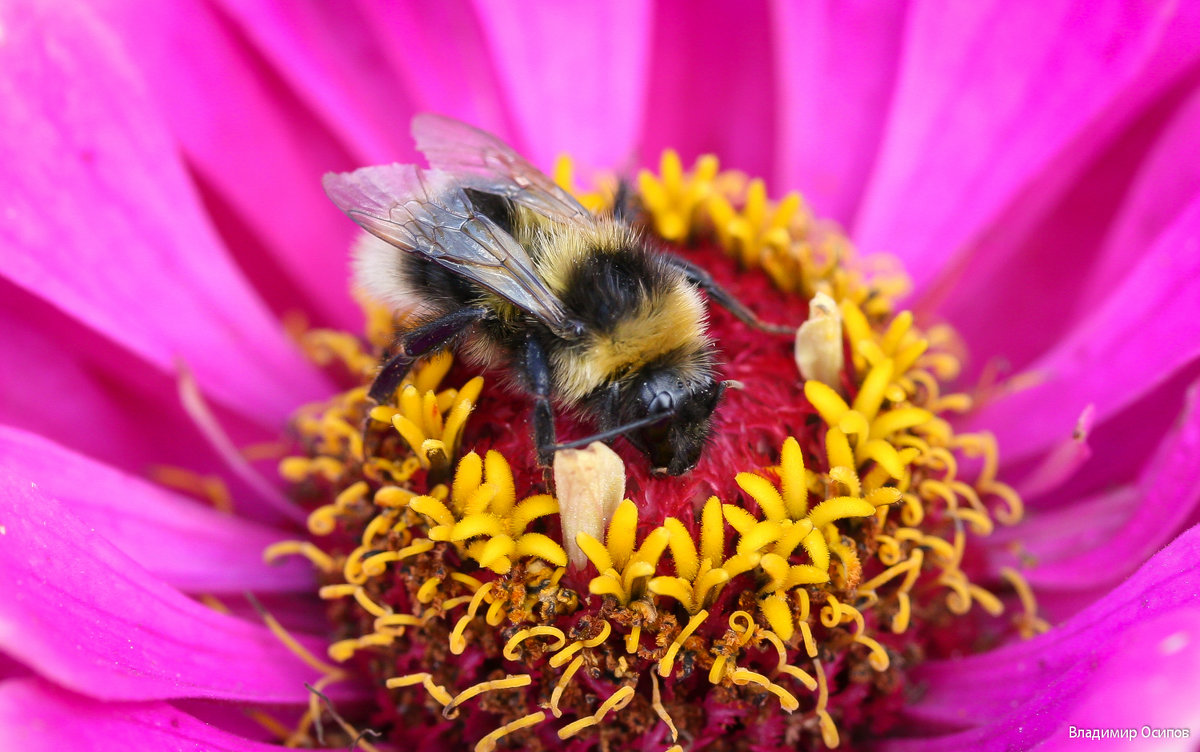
point(819, 354)
point(589, 483)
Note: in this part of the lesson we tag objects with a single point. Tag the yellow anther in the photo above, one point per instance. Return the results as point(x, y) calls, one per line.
point(683, 549)
point(428, 589)
point(595, 551)
point(668, 660)
point(621, 533)
point(488, 743)
point(1029, 622)
point(634, 639)
point(742, 623)
point(783, 666)
point(561, 685)
point(509, 682)
point(787, 700)
point(458, 643)
point(393, 621)
point(319, 558)
point(614, 701)
point(764, 492)
point(323, 519)
point(778, 613)
point(510, 647)
point(332, 592)
point(839, 508)
point(712, 531)
point(605, 631)
point(436, 691)
point(565, 654)
point(368, 605)
point(659, 709)
point(878, 658)
point(717, 673)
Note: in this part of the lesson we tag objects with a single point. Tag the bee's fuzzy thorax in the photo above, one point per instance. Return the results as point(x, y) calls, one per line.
point(639, 311)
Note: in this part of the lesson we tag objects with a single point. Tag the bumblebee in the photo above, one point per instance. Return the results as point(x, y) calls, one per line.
point(509, 269)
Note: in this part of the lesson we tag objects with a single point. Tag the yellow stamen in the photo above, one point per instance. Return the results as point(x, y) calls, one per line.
point(668, 660)
point(319, 558)
point(509, 682)
point(787, 700)
point(510, 647)
point(614, 700)
point(563, 681)
point(488, 743)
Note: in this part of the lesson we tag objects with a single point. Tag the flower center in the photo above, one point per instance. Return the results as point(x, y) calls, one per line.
point(777, 594)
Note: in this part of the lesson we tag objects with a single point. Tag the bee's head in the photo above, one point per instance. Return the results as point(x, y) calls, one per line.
point(675, 443)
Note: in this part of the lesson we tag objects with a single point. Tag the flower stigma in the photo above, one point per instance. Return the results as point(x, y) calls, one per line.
point(777, 595)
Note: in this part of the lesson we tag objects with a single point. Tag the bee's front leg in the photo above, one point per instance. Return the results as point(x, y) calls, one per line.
point(536, 368)
point(415, 343)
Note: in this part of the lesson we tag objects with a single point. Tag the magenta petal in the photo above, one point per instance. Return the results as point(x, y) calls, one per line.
point(999, 99)
point(152, 525)
point(36, 716)
point(1025, 693)
point(100, 220)
point(1146, 329)
point(712, 84)
point(1152, 681)
point(450, 71)
point(80, 612)
point(574, 75)
point(95, 396)
point(324, 53)
point(256, 149)
point(835, 67)
point(1168, 497)
point(1167, 179)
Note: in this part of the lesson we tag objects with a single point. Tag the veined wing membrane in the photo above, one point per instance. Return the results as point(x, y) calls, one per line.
point(481, 161)
point(425, 212)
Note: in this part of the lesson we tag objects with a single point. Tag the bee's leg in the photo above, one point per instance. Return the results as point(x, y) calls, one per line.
point(625, 207)
point(704, 281)
point(537, 370)
point(421, 341)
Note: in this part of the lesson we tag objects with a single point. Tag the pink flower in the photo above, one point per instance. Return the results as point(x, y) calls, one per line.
point(1034, 169)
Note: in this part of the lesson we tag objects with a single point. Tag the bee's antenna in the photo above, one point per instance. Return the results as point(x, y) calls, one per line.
point(649, 420)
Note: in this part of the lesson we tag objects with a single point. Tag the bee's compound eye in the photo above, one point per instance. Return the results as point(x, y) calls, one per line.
point(663, 403)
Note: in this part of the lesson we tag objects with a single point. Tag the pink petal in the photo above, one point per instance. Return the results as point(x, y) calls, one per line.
point(1026, 692)
point(97, 398)
point(574, 76)
point(257, 150)
point(712, 84)
point(152, 525)
point(835, 66)
point(1022, 287)
point(1150, 682)
point(1168, 178)
point(1167, 498)
point(36, 716)
point(1147, 680)
point(102, 222)
point(1002, 101)
point(80, 612)
point(325, 54)
point(1146, 330)
point(450, 71)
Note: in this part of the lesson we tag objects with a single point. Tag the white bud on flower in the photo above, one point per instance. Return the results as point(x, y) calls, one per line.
point(589, 484)
point(819, 353)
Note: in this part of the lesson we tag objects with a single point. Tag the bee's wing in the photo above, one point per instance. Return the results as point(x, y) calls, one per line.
point(481, 161)
point(425, 212)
